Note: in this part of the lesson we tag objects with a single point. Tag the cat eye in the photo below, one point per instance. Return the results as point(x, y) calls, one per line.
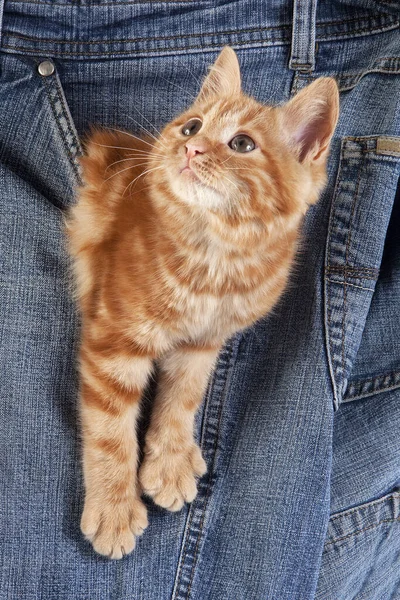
point(242, 143)
point(191, 127)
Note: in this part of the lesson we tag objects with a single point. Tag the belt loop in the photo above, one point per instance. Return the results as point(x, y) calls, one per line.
point(302, 56)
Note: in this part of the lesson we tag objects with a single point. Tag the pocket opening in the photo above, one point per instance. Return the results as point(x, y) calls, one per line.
point(360, 215)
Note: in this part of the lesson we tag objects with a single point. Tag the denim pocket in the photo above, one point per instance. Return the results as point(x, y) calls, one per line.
point(360, 558)
point(361, 209)
point(38, 141)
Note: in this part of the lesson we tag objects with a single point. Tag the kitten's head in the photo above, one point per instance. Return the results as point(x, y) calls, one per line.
point(230, 154)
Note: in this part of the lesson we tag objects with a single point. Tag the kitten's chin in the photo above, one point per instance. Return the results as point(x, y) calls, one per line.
point(190, 189)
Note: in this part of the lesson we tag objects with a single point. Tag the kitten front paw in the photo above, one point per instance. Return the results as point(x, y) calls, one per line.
point(170, 477)
point(112, 528)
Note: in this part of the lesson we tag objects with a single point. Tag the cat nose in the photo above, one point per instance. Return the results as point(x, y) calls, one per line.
point(194, 148)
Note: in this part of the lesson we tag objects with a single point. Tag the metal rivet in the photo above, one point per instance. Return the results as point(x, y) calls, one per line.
point(46, 68)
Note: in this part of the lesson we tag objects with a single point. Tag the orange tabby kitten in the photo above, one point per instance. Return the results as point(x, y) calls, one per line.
point(168, 269)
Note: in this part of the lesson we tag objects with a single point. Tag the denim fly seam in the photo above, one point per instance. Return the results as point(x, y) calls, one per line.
point(1, 18)
point(197, 515)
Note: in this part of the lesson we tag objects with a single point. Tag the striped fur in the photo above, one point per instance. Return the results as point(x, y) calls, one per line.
point(169, 264)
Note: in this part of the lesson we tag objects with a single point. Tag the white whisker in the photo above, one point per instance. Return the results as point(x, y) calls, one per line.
point(231, 182)
point(178, 86)
point(189, 71)
point(141, 175)
point(122, 170)
point(144, 153)
point(126, 159)
point(226, 160)
point(132, 135)
point(238, 169)
point(116, 147)
point(148, 122)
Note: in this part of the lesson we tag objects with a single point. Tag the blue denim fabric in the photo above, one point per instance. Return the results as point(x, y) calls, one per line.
point(300, 424)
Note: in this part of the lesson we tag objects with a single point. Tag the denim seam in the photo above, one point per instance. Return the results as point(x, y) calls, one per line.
point(375, 383)
point(356, 32)
point(372, 69)
point(392, 155)
point(365, 506)
point(379, 390)
point(358, 269)
point(369, 276)
point(374, 152)
point(75, 146)
point(341, 22)
point(196, 549)
point(349, 234)
point(328, 301)
point(184, 555)
point(391, 374)
point(283, 40)
point(391, 138)
point(390, 22)
point(100, 4)
point(389, 153)
point(44, 52)
point(330, 358)
point(178, 591)
point(60, 129)
point(69, 149)
point(209, 485)
point(348, 82)
point(343, 337)
point(345, 283)
point(352, 275)
point(335, 541)
point(140, 39)
point(1, 17)
point(362, 138)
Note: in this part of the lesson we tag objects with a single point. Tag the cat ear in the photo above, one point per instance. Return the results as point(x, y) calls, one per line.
point(223, 79)
point(310, 118)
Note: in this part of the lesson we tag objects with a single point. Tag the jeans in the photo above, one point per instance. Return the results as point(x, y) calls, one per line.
point(300, 424)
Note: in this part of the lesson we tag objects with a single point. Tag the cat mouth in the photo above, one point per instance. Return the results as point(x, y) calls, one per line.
point(190, 177)
point(188, 172)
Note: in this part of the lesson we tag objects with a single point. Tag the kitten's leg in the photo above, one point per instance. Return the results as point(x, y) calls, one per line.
point(172, 458)
point(111, 386)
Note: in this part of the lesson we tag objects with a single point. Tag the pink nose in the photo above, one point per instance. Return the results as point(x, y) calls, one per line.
point(195, 148)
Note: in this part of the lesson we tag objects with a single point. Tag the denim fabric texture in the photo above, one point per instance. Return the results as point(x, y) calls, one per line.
point(300, 424)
